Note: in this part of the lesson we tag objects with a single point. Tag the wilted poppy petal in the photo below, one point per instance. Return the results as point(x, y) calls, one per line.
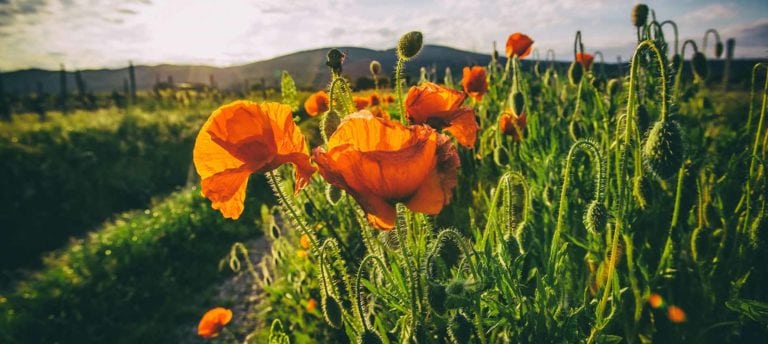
point(213, 321)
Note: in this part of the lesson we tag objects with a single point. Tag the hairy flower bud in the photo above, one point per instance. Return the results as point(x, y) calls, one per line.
point(614, 86)
point(676, 60)
point(335, 59)
point(437, 297)
point(719, 49)
point(575, 72)
point(663, 149)
point(369, 337)
point(409, 45)
point(375, 67)
point(332, 311)
point(639, 15)
point(595, 217)
point(700, 67)
point(330, 122)
point(460, 329)
point(518, 103)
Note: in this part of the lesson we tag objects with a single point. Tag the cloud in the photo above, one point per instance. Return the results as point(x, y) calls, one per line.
point(710, 13)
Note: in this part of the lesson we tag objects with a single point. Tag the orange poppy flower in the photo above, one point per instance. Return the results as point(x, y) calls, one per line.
point(374, 99)
point(389, 98)
point(440, 108)
point(311, 305)
point(241, 138)
point(513, 125)
point(361, 102)
point(656, 301)
point(676, 314)
point(317, 103)
point(302, 254)
point(381, 162)
point(304, 241)
point(213, 321)
point(518, 44)
point(474, 82)
point(585, 60)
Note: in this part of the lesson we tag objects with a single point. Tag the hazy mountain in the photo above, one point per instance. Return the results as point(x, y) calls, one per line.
point(307, 68)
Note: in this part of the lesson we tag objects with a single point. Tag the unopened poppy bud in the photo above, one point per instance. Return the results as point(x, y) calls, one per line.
point(456, 287)
point(330, 122)
point(332, 311)
point(614, 86)
point(495, 54)
point(518, 102)
point(335, 59)
point(639, 15)
point(676, 60)
point(460, 329)
point(436, 298)
point(369, 337)
point(719, 49)
point(595, 217)
point(663, 149)
point(500, 156)
point(575, 72)
point(409, 45)
point(700, 65)
point(375, 67)
point(643, 118)
point(333, 194)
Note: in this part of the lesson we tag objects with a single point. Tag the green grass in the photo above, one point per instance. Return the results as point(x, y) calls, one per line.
point(139, 277)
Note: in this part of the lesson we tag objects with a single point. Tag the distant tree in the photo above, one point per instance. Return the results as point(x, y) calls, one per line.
point(364, 83)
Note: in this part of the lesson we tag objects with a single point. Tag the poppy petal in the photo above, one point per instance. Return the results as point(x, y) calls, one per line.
point(226, 190)
point(463, 126)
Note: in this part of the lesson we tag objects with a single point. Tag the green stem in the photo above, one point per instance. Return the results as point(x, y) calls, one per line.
point(665, 255)
point(399, 89)
point(288, 205)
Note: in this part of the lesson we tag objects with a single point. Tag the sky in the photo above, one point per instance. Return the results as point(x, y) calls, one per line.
point(89, 34)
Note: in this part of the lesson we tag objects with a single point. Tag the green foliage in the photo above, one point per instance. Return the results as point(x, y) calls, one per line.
point(136, 278)
point(288, 91)
point(64, 176)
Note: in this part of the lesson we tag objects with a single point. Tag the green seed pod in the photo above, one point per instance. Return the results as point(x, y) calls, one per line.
point(460, 329)
point(676, 60)
point(575, 72)
point(518, 103)
point(334, 60)
point(700, 67)
point(719, 49)
point(436, 298)
point(613, 87)
point(595, 217)
point(455, 287)
point(495, 54)
point(409, 45)
point(663, 149)
point(375, 67)
point(333, 194)
point(643, 118)
point(639, 15)
point(369, 337)
point(332, 311)
point(500, 156)
point(331, 121)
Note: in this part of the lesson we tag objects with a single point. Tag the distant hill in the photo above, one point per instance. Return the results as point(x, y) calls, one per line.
point(307, 68)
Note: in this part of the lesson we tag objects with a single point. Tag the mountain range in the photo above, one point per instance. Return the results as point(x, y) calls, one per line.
point(306, 67)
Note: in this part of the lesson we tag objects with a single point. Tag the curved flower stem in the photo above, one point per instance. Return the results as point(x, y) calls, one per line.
point(288, 205)
point(358, 299)
point(401, 227)
point(674, 27)
point(594, 151)
point(399, 89)
point(664, 260)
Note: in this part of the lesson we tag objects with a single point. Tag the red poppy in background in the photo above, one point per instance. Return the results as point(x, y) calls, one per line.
point(361, 102)
point(374, 99)
point(213, 321)
point(242, 138)
point(317, 103)
point(519, 44)
point(440, 108)
point(474, 82)
point(513, 125)
point(381, 162)
point(585, 60)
